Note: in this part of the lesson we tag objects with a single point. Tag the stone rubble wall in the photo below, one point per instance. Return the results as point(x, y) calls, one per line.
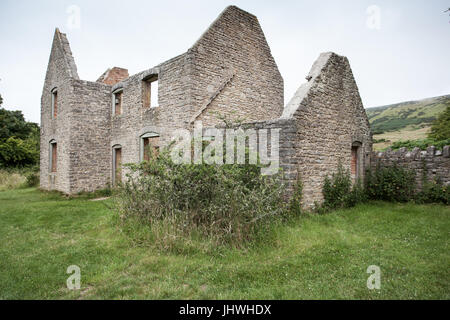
point(287, 155)
point(136, 120)
point(86, 130)
point(234, 73)
point(330, 119)
point(432, 164)
point(90, 132)
point(61, 70)
point(188, 81)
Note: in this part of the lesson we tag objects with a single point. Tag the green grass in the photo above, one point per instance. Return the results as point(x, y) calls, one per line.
point(311, 257)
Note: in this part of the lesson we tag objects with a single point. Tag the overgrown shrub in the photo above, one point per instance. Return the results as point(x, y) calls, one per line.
point(295, 204)
point(434, 192)
point(228, 204)
point(338, 191)
point(390, 184)
point(357, 195)
point(32, 179)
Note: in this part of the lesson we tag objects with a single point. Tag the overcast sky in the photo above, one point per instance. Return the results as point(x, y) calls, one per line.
point(399, 50)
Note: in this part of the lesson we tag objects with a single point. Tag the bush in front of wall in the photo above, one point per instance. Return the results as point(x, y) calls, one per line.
point(339, 192)
point(394, 184)
point(434, 192)
point(223, 204)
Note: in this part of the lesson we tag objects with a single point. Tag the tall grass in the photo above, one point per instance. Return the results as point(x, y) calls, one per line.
point(18, 178)
point(220, 204)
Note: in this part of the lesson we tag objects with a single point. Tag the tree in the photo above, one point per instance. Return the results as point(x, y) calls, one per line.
point(13, 124)
point(440, 128)
point(16, 152)
point(1, 100)
point(19, 139)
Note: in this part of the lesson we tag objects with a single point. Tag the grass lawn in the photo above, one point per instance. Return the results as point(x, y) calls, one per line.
point(313, 257)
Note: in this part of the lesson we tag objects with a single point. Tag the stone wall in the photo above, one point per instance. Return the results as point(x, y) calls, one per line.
point(431, 164)
point(61, 71)
point(288, 162)
point(234, 73)
point(90, 134)
point(229, 70)
point(319, 127)
point(214, 76)
point(135, 119)
point(330, 120)
point(286, 157)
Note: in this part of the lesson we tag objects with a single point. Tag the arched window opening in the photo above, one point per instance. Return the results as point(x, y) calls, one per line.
point(117, 101)
point(149, 145)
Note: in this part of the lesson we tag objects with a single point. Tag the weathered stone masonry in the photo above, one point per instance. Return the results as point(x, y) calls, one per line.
point(229, 71)
point(330, 120)
point(431, 164)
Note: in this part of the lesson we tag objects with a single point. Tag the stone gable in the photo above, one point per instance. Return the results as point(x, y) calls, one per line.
point(230, 72)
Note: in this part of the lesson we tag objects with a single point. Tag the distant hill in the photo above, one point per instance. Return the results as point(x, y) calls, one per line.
point(410, 115)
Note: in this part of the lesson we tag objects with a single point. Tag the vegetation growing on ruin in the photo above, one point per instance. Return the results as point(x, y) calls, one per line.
point(393, 184)
point(339, 192)
point(227, 204)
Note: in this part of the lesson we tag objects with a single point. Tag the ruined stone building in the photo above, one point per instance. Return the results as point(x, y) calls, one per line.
point(88, 129)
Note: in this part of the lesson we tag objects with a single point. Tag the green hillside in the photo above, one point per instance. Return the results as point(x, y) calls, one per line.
point(410, 115)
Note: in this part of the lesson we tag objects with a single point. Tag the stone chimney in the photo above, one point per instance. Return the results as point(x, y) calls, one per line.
point(114, 75)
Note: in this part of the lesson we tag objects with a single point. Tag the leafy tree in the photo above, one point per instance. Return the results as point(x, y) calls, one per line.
point(16, 152)
point(13, 124)
point(1, 100)
point(19, 139)
point(440, 128)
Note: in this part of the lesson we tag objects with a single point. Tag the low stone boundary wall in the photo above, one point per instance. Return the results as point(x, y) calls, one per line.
point(431, 163)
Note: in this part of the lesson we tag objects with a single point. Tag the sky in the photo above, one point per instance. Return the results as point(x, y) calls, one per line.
point(398, 49)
